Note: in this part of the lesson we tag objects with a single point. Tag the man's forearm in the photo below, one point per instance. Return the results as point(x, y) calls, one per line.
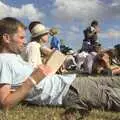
point(14, 97)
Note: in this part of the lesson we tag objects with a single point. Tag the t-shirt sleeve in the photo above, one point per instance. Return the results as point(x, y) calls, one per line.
point(5, 73)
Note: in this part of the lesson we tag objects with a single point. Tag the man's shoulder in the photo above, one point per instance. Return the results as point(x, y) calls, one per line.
point(7, 57)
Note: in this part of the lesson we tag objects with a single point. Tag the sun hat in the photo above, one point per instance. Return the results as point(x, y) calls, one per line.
point(70, 52)
point(54, 31)
point(39, 30)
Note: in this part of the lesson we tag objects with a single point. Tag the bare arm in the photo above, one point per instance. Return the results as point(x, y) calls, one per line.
point(46, 51)
point(116, 71)
point(8, 98)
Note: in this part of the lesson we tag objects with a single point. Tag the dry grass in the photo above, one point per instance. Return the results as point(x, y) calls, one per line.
point(23, 112)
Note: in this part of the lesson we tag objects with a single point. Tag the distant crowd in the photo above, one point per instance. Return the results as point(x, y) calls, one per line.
point(91, 59)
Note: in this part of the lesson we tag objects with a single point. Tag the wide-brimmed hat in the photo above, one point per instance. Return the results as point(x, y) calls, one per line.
point(39, 30)
point(70, 52)
point(54, 31)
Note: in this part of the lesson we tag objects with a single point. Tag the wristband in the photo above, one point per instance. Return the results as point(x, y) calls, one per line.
point(32, 80)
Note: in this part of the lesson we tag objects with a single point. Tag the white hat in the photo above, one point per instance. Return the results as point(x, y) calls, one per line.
point(70, 52)
point(38, 30)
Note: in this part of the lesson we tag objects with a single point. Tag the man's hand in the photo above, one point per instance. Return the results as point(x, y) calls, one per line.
point(41, 72)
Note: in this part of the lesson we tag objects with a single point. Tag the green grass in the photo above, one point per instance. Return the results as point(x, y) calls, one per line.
point(23, 112)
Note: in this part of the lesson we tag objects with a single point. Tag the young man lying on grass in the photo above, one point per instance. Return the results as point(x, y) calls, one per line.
point(20, 81)
point(103, 63)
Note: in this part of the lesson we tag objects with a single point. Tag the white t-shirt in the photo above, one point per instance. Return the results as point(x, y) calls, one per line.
point(14, 70)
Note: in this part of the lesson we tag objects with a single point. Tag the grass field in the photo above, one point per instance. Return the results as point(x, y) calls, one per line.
point(27, 112)
point(23, 112)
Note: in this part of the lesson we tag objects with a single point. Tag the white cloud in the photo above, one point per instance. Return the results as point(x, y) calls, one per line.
point(111, 34)
point(74, 29)
point(114, 9)
point(110, 38)
point(72, 37)
point(86, 10)
point(78, 9)
point(75, 40)
point(27, 10)
point(114, 4)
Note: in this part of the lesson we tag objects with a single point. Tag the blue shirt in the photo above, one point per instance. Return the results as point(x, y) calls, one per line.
point(55, 43)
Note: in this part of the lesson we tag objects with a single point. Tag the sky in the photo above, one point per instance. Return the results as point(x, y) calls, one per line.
point(71, 17)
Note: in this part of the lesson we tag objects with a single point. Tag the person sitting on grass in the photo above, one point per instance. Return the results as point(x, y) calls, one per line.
point(103, 64)
point(20, 81)
point(55, 41)
point(36, 51)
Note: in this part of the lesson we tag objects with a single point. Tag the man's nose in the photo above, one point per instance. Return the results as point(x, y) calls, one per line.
point(23, 41)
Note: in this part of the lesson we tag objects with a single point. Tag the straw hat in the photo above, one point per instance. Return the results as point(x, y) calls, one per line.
point(39, 30)
point(54, 31)
point(70, 52)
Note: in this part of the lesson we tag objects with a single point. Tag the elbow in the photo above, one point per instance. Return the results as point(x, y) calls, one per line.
point(7, 105)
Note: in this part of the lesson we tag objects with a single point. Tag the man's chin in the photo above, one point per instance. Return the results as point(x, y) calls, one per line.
point(18, 51)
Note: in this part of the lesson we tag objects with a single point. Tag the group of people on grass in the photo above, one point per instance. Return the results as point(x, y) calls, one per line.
point(92, 58)
point(30, 79)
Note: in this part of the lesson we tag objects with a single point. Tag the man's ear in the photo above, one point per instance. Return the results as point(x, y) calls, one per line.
point(6, 38)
